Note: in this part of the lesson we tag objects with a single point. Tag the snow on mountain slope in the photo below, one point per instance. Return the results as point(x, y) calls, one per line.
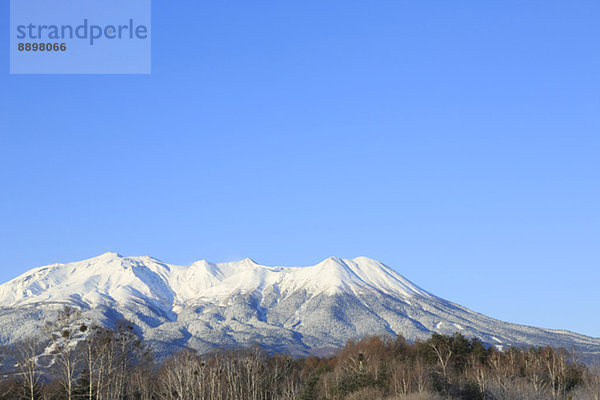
point(106, 279)
point(111, 278)
point(295, 309)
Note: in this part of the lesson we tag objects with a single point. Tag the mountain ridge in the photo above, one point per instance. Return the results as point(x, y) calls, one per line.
point(295, 309)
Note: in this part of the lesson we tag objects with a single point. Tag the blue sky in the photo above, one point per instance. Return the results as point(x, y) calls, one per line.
point(457, 142)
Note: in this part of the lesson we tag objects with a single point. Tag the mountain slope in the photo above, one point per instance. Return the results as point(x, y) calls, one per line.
point(296, 309)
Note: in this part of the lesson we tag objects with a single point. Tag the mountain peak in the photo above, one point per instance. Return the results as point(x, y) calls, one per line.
point(109, 254)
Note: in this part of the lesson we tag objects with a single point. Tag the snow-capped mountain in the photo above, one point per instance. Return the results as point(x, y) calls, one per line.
point(294, 309)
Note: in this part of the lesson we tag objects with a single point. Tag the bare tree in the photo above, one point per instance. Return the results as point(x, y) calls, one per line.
point(420, 375)
point(142, 382)
point(26, 361)
point(590, 389)
point(65, 336)
point(555, 362)
point(478, 372)
point(181, 377)
point(401, 378)
point(443, 352)
point(535, 373)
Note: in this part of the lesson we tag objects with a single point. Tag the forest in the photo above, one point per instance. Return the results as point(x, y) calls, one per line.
point(80, 361)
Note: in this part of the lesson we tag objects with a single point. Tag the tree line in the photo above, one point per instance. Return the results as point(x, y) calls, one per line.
point(81, 361)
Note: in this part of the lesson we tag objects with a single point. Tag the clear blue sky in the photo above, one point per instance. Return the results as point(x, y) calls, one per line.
point(458, 142)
